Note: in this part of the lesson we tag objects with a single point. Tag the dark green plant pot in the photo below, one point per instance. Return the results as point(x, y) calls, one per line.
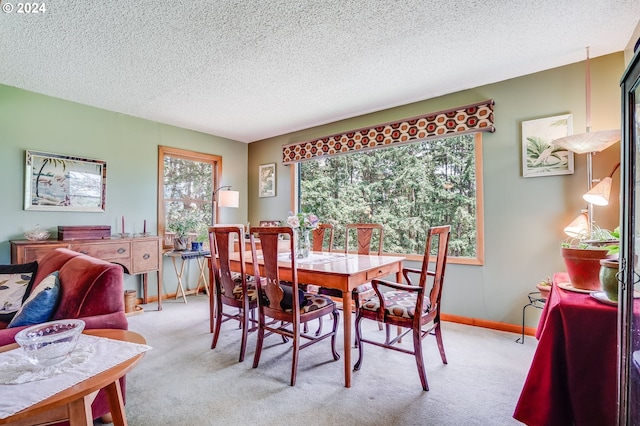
point(608, 279)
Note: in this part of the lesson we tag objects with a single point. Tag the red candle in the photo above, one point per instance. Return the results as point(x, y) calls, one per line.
point(144, 227)
point(123, 224)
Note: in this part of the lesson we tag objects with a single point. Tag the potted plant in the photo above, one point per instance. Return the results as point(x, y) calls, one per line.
point(544, 287)
point(582, 258)
point(181, 227)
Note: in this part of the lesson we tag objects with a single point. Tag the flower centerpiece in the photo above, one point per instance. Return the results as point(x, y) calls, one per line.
point(303, 223)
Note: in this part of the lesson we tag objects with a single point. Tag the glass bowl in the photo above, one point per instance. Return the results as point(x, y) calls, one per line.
point(50, 343)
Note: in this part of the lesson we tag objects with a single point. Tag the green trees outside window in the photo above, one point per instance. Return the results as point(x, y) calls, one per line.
point(405, 188)
point(186, 180)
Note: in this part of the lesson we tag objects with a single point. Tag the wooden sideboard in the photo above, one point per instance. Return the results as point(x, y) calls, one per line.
point(139, 255)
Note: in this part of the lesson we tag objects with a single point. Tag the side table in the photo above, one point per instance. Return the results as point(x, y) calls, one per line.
point(185, 257)
point(535, 300)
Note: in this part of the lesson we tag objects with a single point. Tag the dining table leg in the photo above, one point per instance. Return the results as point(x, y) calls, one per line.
point(346, 312)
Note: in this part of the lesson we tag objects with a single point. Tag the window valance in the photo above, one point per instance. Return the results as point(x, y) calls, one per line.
point(477, 117)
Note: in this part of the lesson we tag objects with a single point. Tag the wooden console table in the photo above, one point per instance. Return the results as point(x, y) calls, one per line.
point(138, 255)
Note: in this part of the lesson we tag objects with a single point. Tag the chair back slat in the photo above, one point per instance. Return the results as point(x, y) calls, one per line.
point(268, 277)
point(437, 235)
point(319, 235)
point(221, 242)
point(364, 235)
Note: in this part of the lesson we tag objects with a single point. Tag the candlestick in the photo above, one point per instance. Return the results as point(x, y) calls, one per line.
point(123, 224)
point(144, 227)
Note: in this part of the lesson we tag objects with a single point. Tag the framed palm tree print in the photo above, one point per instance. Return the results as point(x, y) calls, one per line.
point(56, 182)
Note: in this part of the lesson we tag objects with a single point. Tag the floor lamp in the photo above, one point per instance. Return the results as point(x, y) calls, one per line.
point(225, 199)
point(589, 143)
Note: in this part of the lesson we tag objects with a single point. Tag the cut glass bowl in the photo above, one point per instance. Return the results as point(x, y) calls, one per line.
point(50, 343)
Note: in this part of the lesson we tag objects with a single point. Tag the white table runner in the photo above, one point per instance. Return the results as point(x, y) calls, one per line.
point(92, 356)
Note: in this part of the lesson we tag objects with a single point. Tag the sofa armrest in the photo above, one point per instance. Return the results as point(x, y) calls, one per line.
point(116, 320)
point(113, 320)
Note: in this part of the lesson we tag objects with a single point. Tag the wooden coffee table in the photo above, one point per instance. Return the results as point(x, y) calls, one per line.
point(74, 403)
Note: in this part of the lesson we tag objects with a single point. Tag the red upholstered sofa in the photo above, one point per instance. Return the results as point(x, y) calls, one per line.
point(91, 290)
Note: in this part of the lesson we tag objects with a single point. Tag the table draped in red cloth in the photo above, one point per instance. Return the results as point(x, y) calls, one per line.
point(573, 377)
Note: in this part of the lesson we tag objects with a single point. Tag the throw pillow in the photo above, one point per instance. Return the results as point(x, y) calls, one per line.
point(15, 284)
point(287, 298)
point(41, 303)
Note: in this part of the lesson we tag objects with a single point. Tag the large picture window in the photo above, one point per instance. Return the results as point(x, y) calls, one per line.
point(406, 189)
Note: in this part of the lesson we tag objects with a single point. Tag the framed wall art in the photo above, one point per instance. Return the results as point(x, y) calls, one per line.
point(267, 180)
point(55, 182)
point(540, 157)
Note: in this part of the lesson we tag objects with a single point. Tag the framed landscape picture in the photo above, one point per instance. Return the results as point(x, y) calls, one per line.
point(56, 182)
point(267, 180)
point(540, 157)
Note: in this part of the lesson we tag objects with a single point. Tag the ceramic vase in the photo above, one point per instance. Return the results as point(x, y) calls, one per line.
point(180, 244)
point(609, 279)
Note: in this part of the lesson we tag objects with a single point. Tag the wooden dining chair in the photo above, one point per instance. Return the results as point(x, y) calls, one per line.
point(364, 234)
point(282, 307)
point(230, 288)
point(410, 306)
point(319, 235)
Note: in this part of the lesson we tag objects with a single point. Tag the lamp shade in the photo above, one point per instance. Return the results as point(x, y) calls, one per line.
point(599, 194)
point(229, 199)
point(579, 227)
point(589, 142)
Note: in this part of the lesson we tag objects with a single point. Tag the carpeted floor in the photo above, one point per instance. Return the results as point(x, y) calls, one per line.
point(183, 382)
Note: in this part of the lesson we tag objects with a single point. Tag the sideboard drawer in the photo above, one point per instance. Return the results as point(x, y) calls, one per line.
point(31, 252)
point(110, 250)
point(145, 256)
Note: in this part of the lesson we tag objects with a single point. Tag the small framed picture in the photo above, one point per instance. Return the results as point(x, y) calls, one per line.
point(267, 180)
point(540, 157)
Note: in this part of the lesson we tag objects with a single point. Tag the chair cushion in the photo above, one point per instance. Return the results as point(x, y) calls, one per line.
point(251, 291)
point(363, 292)
point(313, 302)
point(41, 303)
point(397, 304)
point(15, 285)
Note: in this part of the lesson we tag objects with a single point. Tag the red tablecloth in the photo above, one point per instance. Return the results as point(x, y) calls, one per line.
point(572, 378)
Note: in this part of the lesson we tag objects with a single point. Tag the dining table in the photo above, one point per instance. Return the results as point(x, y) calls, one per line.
point(572, 378)
point(342, 271)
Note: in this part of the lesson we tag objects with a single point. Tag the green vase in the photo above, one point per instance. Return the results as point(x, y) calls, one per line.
point(608, 278)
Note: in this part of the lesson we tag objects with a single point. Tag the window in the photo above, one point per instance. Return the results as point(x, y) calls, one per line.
point(185, 184)
point(405, 188)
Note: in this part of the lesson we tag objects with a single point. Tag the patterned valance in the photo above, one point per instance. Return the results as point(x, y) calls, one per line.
point(457, 121)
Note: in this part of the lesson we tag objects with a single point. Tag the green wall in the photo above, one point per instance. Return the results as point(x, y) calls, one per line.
point(524, 217)
point(130, 148)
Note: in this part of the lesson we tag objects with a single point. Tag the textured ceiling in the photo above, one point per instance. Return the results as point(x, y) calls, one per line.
point(251, 69)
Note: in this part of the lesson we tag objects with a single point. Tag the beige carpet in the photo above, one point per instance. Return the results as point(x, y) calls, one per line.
point(183, 382)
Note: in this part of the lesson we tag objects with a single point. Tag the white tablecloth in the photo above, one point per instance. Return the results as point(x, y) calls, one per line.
point(315, 258)
point(93, 355)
